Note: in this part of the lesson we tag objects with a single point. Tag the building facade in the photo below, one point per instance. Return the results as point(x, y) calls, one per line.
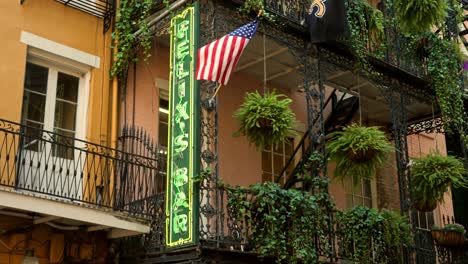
point(61, 199)
point(85, 159)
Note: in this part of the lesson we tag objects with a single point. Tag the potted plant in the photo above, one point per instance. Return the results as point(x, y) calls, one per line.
point(431, 177)
point(358, 151)
point(452, 235)
point(265, 119)
point(418, 16)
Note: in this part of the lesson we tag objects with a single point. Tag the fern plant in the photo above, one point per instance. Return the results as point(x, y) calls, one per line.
point(358, 151)
point(265, 119)
point(417, 16)
point(431, 177)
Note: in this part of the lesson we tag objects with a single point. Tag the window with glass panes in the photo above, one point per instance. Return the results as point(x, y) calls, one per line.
point(274, 159)
point(50, 102)
point(425, 220)
point(358, 193)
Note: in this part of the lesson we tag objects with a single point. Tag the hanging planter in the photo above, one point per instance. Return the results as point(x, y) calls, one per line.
point(452, 235)
point(265, 119)
point(418, 16)
point(431, 178)
point(358, 151)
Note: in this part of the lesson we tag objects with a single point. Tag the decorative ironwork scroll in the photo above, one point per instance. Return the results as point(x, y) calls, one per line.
point(428, 126)
point(210, 202)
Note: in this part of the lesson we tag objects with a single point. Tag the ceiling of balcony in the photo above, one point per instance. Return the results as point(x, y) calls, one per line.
point(279, 67)
point(283, 71)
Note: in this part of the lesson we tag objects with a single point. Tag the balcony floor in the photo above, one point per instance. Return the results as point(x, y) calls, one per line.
point(69, 215)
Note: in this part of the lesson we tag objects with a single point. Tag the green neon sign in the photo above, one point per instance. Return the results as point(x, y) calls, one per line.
point(183, 152)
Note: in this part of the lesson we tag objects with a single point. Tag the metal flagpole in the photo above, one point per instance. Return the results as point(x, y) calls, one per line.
point(216, 91)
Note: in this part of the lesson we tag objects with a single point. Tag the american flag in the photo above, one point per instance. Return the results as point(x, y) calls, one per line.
point(217, 60)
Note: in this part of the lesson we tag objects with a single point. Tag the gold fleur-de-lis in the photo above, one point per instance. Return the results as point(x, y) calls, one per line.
point(321, 8)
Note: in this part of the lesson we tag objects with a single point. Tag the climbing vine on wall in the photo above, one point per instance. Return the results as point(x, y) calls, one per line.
point(131, 17)
point(254, 6)
point(443, 67)
point(366, 24)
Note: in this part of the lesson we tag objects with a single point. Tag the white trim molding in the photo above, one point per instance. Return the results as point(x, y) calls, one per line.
point(59, 49)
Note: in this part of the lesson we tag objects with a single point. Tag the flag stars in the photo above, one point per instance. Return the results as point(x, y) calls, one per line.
point(217, 60)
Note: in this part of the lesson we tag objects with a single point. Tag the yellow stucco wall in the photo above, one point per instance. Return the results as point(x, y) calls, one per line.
point(62, 24)
point(65, 25)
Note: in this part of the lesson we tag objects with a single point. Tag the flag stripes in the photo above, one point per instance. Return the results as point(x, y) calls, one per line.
point(217, 59)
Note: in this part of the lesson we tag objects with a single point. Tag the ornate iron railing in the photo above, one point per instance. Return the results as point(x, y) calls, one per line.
point(396, 52)
point(100, 8)
point(234, 233)
point(39, 162)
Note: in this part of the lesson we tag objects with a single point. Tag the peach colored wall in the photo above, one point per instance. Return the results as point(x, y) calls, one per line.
point(146, 91)
point(239, 162)
point(62, 24)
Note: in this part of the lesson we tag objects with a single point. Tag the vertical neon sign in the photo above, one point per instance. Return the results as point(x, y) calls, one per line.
point(183, 152)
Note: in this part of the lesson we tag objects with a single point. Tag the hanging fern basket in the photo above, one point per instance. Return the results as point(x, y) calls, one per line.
point(431, 178)
point(427, 205)
point(358, 151)
point(265, 119)
point(418, 16)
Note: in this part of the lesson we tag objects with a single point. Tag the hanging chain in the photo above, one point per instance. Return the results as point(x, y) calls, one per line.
point(264, 61)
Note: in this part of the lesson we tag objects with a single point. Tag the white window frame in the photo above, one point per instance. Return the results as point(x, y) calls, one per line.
point(51, 94)
point(271, 153)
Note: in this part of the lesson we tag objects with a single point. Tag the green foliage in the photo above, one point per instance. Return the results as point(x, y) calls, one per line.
point(457, 8)
point(204, 174)
point(131, 16)
point(451, 227)
point(358, 151)
point(253, 7)
point(432, 175)
point(284, 222)
point(418, 16)
point(265, 120)
point(443, 67)
point(370, 236)
point(366, 25)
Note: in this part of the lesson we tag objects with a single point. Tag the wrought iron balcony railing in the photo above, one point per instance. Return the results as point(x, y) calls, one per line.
point(101, 8)
point(396, 51)
point(35, 161)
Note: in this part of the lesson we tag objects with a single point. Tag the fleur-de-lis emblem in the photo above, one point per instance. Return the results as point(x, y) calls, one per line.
point(321, 8)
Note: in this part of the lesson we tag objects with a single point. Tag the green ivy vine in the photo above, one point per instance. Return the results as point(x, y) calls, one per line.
point(253, 7)
point(284, 223)
point(443, 67)
point(131, 17)
point(366, 24)
point(371, 236)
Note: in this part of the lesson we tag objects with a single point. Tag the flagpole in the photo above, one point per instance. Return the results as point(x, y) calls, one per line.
point(216, 91)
